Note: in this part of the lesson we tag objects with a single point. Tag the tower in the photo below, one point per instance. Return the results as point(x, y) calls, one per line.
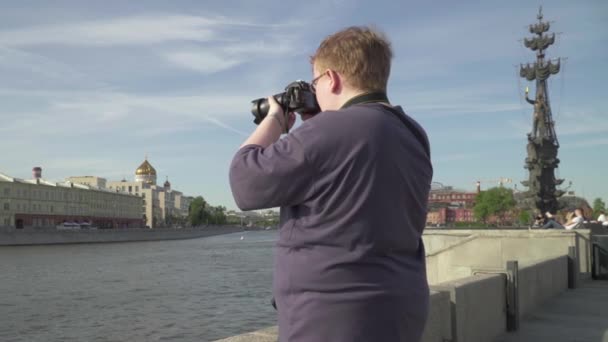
point(146, 173)
point(543, 145)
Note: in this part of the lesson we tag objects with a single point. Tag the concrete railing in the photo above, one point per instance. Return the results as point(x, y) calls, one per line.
point(540, 282)
point(477, 307)
point(439, 323)
point(490, 250)
point(482, 306)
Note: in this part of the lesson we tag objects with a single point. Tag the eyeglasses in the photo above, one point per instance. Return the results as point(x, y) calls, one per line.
point(313, 83)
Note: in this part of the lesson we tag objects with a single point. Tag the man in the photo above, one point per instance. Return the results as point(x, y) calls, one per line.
point(352, 183)
point(551, 222)
point(602, 218)
point(576, 221)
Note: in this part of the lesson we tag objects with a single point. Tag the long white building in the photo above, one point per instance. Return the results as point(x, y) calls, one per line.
point(40, 203)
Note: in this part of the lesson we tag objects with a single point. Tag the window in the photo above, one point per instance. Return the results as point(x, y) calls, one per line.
point(130, 189)
point(6, 206)
point(7, 191)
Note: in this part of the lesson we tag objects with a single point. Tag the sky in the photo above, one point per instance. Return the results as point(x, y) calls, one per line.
point(91, 88)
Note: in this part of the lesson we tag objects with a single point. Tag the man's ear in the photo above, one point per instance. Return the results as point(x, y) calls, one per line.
point(336, 81)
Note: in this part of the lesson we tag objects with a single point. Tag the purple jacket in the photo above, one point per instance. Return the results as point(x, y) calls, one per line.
point(353, 188)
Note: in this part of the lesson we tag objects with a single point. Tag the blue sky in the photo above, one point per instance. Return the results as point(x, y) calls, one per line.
point(90, 88)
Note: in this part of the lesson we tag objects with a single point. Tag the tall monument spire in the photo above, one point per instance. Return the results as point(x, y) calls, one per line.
point(542, 140)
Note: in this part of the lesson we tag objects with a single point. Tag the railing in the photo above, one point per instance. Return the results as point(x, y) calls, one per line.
point(599, 261)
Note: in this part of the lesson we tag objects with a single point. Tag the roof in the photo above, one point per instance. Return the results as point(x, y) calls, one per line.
point(66, 184)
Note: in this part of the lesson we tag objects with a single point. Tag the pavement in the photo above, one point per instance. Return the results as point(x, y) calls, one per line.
point(576, 315)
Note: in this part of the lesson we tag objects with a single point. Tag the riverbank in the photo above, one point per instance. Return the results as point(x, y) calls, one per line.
point(25, 237)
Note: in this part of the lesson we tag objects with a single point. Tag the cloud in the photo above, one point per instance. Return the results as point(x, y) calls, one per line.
point(118, 31)
point(135, 30)
point(90, 112)
point(454, 157)
point(478, 98)
point(203, 61)
point(226, 55)
point(588, 143)
point(21, 69)
point(582, 121)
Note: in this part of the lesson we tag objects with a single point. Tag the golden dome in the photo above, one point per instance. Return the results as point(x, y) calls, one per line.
point(145, 169)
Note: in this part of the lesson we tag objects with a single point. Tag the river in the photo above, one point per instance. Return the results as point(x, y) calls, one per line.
point(179, 290)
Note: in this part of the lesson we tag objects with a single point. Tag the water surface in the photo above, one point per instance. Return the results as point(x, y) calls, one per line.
point(179, 290)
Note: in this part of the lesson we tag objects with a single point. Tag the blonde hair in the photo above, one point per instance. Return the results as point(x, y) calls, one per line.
point(361, 54)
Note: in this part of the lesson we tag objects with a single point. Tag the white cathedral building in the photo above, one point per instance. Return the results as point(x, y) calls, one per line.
point(162, 204)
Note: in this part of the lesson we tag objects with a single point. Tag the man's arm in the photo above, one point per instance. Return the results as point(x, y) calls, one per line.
point(271, 128)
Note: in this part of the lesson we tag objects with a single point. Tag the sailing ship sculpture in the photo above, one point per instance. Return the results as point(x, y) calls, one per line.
point(543, 145)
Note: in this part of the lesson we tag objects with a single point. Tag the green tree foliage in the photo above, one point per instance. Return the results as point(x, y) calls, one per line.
point(201, 213)
point(598, 205)
point(525, 217)
point(197, 211)
point(493, 202)
point(217, 215)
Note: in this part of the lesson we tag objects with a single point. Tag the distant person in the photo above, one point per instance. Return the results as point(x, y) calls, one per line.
point(539, 220)
point(551, 221)
point(602, 218)
point(352, 183)
point(576, 221)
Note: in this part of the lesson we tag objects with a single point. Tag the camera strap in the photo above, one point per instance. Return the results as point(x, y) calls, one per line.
point(378, 97)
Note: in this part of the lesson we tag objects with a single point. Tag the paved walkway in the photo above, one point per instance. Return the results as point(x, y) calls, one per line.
point(573, 316)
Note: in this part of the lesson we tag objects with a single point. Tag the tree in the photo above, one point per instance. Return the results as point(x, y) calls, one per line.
point(598, 205)
point(525, 217)
point(197, 212)
point(493, 202)
point(201, 213)
point(217, 215)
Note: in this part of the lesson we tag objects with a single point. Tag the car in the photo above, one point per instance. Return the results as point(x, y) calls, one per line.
point(68, 226)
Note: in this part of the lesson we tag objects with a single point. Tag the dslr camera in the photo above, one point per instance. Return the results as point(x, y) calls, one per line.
point(298, 97)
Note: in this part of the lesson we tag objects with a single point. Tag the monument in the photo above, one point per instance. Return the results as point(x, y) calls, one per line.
point(543, 145)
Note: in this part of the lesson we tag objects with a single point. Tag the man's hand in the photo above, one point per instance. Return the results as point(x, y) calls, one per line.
point(271, 128)
point(275, 111)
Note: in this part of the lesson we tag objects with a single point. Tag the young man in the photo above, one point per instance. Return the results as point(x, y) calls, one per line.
point(551, 221)
point(602, 218)
point(352, 183)
point(576, 221)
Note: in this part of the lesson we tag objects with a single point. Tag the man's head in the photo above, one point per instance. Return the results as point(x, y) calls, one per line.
point(350, 62)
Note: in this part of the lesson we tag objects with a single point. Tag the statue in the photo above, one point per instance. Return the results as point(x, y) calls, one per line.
point(541, 160)
point(538, 120)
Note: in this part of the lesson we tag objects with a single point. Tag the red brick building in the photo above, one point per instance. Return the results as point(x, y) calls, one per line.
point(448, 205)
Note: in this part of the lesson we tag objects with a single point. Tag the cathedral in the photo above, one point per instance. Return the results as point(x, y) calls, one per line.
point(163, 206)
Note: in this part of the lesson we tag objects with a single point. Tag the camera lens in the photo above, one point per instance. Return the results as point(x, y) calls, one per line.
point(259, 109)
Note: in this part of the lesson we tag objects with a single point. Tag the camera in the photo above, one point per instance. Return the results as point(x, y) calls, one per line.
point(298, 97)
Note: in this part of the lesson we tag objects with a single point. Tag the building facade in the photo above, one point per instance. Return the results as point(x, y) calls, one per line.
point(162, 206)
point(448, 205)
point(41, 203)
point(93, 181)
point(451, 196)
